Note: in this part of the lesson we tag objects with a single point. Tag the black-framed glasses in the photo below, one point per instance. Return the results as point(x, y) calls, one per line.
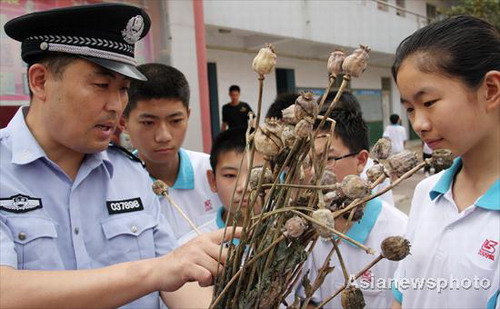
point(343, 157)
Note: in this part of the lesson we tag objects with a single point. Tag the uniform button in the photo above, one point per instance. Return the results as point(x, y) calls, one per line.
point(133, 229)
point(77, 230)
point(22, 236)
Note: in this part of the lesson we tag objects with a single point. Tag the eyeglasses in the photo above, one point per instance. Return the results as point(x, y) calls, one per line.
point(335, 159)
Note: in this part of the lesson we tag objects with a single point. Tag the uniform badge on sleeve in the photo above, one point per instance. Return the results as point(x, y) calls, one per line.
point(124, 206)
point(20, 203)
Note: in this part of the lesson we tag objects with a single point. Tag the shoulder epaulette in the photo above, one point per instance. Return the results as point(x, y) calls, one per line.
point(127, 153)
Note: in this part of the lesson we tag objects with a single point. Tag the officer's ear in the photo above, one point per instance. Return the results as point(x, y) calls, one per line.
point(38, 75)
point(122, 125)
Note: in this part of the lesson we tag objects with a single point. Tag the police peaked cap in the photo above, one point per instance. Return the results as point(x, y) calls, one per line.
point(101, 33)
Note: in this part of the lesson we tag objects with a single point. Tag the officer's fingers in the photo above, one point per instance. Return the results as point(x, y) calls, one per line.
point(201, 274)
point(220, 236)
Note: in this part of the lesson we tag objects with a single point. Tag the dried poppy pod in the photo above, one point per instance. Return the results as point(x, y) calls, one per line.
point(328, 178)
point(255, 175)
point(374, 172)
point(325, 217)
point(355, 64)
point(159, 187)
point(402, 162)
point(289, 115)
point(354, 187)
point(335, 61)
point(288, 136)
point(265, 60)
point(382, 148)
point(295, 226)
point(304, 128)
point(267, 138)
point(352, 298)
point(332, 196)
point(441, 159)
point(359, 211)
point(395, 248)
point(306, 106)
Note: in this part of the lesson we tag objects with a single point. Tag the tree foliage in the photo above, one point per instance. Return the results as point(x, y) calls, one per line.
point(486, 9)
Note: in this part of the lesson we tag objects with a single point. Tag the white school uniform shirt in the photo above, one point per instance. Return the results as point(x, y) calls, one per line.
point(460, 250)
point(216, 223)
point(386, 197)
point(397, 134)
point(191, 192)
point(379, 221)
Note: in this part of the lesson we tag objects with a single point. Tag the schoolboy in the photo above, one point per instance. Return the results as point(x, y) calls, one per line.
point(156, 118)
point(396, 133)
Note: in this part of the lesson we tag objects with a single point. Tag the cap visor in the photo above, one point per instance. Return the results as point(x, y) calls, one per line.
point(118, 67)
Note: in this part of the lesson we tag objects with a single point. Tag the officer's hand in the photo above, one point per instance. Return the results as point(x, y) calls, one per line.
point(197, 260)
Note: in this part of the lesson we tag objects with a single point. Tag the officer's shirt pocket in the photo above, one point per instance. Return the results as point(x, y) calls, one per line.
point(35, 241)
point(129, 237)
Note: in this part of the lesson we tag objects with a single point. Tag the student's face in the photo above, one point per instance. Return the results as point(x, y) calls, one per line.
point(225, 179)
point(234, 95)
point(441, 109)
point(81, 108)
point(350, 165)
point(157, 128)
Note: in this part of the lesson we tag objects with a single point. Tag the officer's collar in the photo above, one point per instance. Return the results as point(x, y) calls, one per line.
point(359, 231)
point(25, 148)
point(185, 174)
point(219, 221)
point(488, 201)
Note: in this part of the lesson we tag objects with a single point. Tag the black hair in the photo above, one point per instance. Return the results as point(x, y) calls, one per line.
point(463, 46)
point(229, 140)
point(281, 102)
point(347, 101)
point(394, 118)
point(164, 82)
point(234, 88)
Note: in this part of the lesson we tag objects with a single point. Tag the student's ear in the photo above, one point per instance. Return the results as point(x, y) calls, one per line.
point(188, 112)
point(122, 125)
point(362, 158)
point(211, 180)
point(492, 90)
point(38, 74)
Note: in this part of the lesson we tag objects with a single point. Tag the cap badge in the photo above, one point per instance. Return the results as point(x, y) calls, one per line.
point(132, 33)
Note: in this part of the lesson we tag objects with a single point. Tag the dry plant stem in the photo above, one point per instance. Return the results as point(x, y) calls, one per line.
point(328, 88)
point(345, 81)
point(341, 261)
point(358, 202)
point(311, 187)
point(341, 235)
point(366, 268)
point(238, 273)
point(181, 212)
point(379, 180)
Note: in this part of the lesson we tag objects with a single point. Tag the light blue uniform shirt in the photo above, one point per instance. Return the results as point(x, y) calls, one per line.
point(107, 215)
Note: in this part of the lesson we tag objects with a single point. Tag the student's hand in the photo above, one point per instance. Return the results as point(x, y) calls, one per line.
point(197, 260)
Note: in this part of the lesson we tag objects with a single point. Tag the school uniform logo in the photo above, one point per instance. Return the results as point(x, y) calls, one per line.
point(208, 205)
point(488, 249)
point(20, 203)
point(367, 276)
point(124, 206)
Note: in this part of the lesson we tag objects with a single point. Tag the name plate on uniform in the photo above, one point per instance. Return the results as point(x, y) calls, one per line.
point(124, 206)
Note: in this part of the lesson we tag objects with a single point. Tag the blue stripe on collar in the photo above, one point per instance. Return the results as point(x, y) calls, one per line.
point(359, 230)
point(185, 175)
point(490, 200)
point(221, 224)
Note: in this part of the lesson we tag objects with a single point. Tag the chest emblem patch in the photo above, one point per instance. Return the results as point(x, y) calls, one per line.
point(20, 203)
point(488, 249)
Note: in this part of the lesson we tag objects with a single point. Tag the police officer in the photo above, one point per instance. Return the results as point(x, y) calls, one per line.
point(79, 223)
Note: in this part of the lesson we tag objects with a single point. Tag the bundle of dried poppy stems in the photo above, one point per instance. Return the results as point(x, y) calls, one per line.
point(298, 206)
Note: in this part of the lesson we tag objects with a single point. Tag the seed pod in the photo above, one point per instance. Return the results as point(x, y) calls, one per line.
point(306, 106)
point(265, 60)
point(335, 62)
point(159, 187)
point(402, 162)
point(359, 211)
point(382, 149)
point(332, 196)
point(352, 298)
point(295, 226)
point(328, 178)
point(355, 64)
point(255, 177)
point(354, 187)
point(441, 159)
point(268, 138)
point(395, 248)
point(374, 172)
point(289, 115)
point(303, 128)
point(288, 136)
point(325, 217)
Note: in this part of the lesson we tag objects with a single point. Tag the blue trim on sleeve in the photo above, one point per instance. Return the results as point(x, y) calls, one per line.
point(398, 296)
point(185, 176)
point(492, 302)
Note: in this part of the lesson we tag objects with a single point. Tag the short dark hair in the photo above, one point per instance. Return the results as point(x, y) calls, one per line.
point(394, 118)
point(164, 82)
point(347, 101)
point(281, 102)
point(462, 46)
point(234, 88)
point(229, 140)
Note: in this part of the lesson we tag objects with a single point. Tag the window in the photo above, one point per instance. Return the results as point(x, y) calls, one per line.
point(381, 5)
point(400, 10)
